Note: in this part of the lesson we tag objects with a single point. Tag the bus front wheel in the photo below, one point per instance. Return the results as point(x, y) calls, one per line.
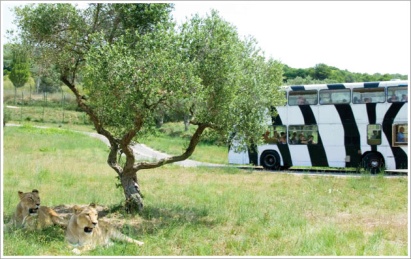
point(373, 162)
point(270, 160)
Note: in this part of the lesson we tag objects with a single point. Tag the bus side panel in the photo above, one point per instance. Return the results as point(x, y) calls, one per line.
point(396, 114)
point(294, 116)
point(332, 135)
point(389, 158)
point(333, 139)
point(328, 116)
point(240, 158)
point(300, 155)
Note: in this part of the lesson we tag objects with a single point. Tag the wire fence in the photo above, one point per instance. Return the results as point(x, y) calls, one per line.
point(24, 106)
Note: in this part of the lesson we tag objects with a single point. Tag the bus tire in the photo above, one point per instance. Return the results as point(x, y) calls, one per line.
point(270, 160)
point(373, 162)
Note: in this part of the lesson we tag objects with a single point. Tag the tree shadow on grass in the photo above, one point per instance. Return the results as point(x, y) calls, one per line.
point(152, 219)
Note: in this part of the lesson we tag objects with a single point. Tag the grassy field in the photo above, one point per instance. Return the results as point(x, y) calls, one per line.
point(204, 211)
point(171, 139)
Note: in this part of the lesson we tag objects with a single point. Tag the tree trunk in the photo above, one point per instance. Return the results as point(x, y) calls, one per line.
point(38, 84)
point(132, 193)
point(159, 121)
point(186, 122)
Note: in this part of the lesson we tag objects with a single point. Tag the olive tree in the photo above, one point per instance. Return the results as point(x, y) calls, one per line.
point(131, 68)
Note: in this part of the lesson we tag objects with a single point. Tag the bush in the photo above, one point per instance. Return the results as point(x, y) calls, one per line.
point(6, 116)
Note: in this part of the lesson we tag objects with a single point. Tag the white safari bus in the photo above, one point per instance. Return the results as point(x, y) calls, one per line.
point(336, 125)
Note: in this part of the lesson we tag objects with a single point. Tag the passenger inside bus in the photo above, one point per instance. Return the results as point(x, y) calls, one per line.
point(269, 139)
point(367, 100)
point(375, 134)
point(293, 139)
point(302, 139)
point(393, 98)
point(301, 100)
point(404, 98)
point(400, 135)
point(310, 139)
point(356, 100)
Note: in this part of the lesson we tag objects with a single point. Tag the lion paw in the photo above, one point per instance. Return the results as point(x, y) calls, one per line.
point(76, 251)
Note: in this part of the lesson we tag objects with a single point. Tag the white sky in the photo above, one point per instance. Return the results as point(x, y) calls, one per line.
point(360, 36)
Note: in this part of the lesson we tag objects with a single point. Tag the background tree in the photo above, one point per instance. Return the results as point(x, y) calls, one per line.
point(20, 68)
point(308, 80)
point(7, 58)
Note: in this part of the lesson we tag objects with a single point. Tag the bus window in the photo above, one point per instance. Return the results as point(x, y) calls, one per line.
point(302, 97)
point(400, 134)
point(368, 95)
point(303, 134)
point(270, 136)
point(275, 134)
point(397, 94)
point(335, 96)
point(374, 134)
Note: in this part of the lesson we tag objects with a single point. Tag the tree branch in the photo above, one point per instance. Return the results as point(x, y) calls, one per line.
point(114, 143)
point(195, 139)
point(125, 144)
point(96, 16)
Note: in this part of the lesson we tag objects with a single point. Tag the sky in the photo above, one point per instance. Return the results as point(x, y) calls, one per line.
point(359, 36)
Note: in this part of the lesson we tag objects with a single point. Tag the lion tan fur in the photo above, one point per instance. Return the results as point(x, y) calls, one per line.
point(30, 215)
point(85, 231)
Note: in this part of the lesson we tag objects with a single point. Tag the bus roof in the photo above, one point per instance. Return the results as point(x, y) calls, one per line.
point(349, 85)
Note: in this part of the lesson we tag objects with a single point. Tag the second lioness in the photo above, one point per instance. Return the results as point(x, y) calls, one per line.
point(85, 231)
point(30, 215)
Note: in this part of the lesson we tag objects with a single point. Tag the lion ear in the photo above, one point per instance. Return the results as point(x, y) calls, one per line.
point(93, 205)
point(20, 194)
point(76, 209)
point(35, 190)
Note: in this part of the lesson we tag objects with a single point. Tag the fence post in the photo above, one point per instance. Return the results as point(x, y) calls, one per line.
point(62, 105)
point(44, 99)
point(21, 108)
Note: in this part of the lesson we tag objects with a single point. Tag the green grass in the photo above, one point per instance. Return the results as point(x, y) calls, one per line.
point(204, 211)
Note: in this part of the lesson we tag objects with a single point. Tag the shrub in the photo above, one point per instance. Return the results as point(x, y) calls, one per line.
point(6, 116)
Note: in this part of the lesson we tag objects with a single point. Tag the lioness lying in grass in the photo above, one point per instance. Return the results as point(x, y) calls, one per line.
point(30, 215)
point(85, 231)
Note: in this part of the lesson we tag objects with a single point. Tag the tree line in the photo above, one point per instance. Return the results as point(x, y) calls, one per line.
point(46, 78)
point(322, 73)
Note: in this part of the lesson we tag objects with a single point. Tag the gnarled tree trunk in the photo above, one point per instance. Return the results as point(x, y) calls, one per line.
point(132, 193)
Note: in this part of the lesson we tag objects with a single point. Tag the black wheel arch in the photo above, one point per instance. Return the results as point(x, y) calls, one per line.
point(270, 159)
point(373, 161)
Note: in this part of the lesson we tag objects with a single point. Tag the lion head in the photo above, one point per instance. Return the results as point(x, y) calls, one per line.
point(30, 201)
point(86, 217)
